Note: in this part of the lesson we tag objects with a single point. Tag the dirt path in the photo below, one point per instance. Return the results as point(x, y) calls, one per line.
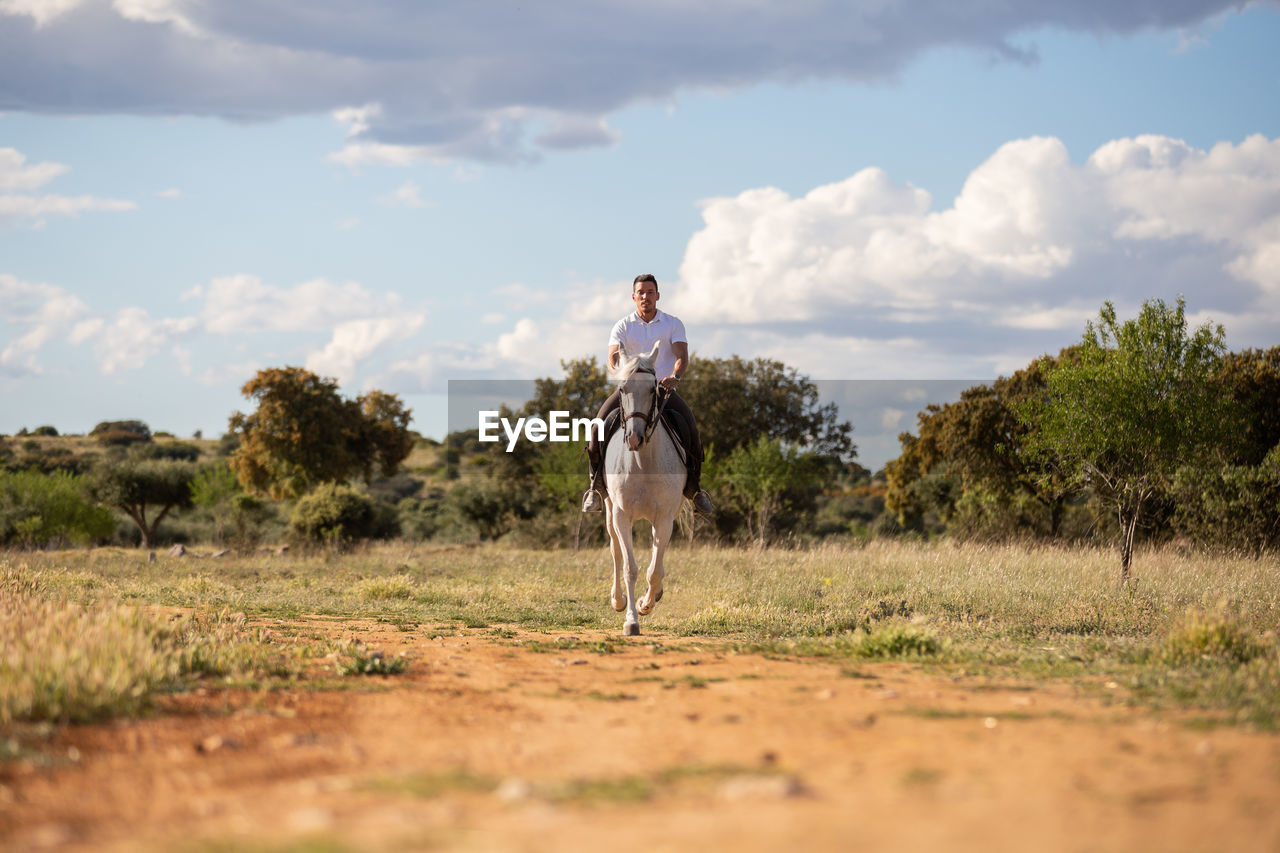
point(665, 744)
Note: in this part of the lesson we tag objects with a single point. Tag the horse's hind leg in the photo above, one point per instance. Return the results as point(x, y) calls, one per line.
point(616, 598)
point(661, 538)
point(622, 527)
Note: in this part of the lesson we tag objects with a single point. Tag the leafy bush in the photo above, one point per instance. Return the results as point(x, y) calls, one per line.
point(38, 510)
point(121, 433)
point(45, 430)
point(898, 641)
point(335, 512)
point(1210, 638)
point(1234, 506)
point(178, 450)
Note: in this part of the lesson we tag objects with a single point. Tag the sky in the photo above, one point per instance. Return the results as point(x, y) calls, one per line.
point(398, 194)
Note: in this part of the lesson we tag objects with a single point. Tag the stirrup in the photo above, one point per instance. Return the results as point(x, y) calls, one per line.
point(592, 501)
point(702, 503)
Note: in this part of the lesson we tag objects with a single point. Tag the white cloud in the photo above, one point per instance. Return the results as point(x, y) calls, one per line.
point(356, 340)
point(360, 325)
point(132, 336)
point(408, 194)
point(1034, 242)
point(17, 177)
point(170, 193)
point(238, 304)
point(42, 312)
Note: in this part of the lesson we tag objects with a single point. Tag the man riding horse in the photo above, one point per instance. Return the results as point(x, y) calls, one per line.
point(637, 333)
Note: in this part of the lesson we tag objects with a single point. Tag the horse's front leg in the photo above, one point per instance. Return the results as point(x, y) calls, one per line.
point(622, 527)
point(661, 538)
point(615, 549)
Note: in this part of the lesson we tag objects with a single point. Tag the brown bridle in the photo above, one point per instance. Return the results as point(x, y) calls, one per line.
point(650, 417)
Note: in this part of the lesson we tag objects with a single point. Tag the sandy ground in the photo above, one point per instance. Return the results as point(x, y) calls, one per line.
point(668, 743)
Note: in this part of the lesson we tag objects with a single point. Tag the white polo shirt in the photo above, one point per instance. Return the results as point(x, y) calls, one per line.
point(636, 337)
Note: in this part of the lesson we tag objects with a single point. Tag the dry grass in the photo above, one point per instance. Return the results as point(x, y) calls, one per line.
point(1033, 611)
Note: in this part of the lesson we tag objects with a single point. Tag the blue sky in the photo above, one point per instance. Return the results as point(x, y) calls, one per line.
point(189, 192)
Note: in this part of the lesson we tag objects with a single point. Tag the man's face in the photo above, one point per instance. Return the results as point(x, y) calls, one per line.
point(645, 296)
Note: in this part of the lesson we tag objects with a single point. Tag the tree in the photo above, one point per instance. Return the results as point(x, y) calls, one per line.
point(304, 433)
point(386, 423)
point(1140, 403)
point(137, 488)
point(738, 401)
point(1253, 377)
point(38, 509)
point(764, 478)
point(978, 445)
point(121, 433)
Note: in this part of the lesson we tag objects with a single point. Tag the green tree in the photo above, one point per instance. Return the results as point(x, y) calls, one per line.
point(339, 513)
point(1140, 403)
point(1253, 377)
point(978, 446)
point(737, 401)
point(38, 509)
point(1236, 506)
point(304, 432)
point(139, 489)
point(765, 478)
point(236, 516)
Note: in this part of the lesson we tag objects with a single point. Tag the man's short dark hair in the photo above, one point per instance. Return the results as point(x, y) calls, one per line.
point(643, 277)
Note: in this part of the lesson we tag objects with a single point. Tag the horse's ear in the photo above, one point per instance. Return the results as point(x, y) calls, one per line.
point(653, 353)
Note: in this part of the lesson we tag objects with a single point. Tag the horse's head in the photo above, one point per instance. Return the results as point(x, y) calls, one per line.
point(639, 397)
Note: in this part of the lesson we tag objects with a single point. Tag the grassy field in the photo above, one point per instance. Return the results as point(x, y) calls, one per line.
point(89, 634)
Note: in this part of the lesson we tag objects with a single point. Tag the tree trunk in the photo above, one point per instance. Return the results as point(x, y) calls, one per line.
point(1128, 526)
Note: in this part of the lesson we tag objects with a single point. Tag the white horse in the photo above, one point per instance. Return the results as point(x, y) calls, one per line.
point(644, 478)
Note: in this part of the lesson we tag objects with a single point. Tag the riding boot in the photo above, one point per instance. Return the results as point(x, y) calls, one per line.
point(693, 485)
point(593, 498)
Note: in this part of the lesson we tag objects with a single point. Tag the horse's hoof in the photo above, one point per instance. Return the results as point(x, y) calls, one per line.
point(643, 609)
point(618, 605)
point(631, 629)
point(659, 597)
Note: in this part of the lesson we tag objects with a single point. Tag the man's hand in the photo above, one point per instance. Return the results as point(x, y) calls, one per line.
point(671, 382)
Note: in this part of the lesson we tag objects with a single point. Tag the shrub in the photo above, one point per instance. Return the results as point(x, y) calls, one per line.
point(38, 510)
point(1209, 638)
point(121, 433)
point(45, 430)
point(898, 641)
point(336, 512)
point(177, 450)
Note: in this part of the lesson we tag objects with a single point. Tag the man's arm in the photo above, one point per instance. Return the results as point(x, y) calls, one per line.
point(681, 351)
point(613, 356)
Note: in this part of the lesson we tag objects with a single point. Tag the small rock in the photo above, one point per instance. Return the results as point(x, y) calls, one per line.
point(178, 550)
point(52, 835)
point(213, 743)
point(151, 557)
point(1204, 748)
point(990, 722)
point(224, 552)
point(760, 788)
point(824, 695)
point(514, 790)
point(311, 819)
